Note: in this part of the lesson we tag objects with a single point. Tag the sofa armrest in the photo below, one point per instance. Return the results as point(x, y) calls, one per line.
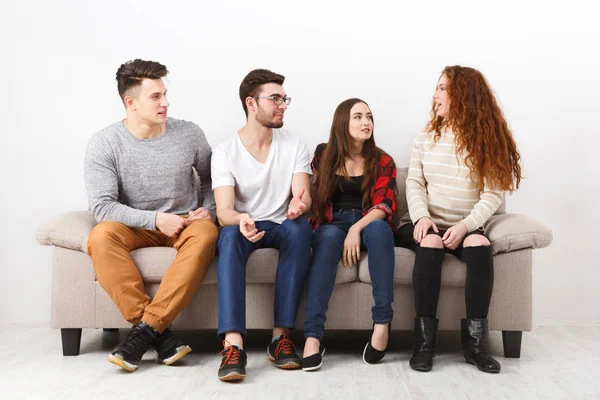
point(70, 230)
point(510, 232)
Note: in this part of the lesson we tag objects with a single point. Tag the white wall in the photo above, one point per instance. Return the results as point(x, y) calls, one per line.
point(58, 61)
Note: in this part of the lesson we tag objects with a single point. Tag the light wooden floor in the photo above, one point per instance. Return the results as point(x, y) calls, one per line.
point(555, 363)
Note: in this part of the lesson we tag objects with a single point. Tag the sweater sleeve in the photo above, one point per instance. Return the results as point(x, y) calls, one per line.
point(416, 185)
point(488, 203)
point(102, 184)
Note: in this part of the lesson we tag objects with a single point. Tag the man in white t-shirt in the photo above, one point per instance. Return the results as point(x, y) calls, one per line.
point(261, 182)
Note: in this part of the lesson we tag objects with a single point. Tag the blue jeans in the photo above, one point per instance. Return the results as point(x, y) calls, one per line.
point(293, 239)
point(328, 244)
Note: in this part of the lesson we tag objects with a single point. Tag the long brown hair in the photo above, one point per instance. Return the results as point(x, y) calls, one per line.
point(332, 162)
point(480, 129)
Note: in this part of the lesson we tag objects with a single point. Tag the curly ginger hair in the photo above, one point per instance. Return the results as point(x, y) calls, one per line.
point(480, 130)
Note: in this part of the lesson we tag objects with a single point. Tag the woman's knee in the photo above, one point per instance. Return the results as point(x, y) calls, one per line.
point(476, 240)
point(328, 234)
point(378, 227)
point(432, 241)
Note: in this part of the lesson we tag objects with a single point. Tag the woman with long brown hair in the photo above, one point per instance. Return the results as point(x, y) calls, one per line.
point(354, 201)
point(459, 170)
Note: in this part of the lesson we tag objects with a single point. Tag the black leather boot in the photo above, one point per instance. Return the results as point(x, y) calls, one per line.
point(474, 341)
point(425, 340)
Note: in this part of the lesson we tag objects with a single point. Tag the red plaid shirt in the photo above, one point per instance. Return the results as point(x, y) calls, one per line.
point(383, 196)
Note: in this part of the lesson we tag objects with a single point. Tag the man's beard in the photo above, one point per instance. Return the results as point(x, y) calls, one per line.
point(261, 117)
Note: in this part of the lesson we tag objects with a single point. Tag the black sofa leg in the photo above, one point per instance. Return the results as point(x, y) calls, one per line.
point(512, 343)
point(71, 340)
point(111, 330)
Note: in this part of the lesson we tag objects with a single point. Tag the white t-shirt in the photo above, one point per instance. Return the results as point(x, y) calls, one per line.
point(261, 190)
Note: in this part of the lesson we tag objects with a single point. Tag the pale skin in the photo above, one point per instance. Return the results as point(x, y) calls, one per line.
point(257, 136)
point(146, 106)
point(454, 235)
point(360, 129)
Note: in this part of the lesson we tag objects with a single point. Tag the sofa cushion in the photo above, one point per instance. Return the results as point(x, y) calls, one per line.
point(70, 230)
point(261, 268)
point(511, 232)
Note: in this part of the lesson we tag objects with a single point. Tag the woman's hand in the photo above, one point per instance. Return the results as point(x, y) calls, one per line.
point(351, 253)
point(422, 227)
point(454, 236)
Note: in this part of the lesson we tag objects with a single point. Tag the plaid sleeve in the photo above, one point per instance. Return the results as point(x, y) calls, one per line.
point(384, 195)
point(317, 157)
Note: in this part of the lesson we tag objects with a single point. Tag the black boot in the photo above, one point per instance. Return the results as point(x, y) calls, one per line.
point(474, 341)
point(425, 339)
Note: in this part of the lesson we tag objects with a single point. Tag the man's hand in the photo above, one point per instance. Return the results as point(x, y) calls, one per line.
point(170, 224)
point(201, 213)
point(248, 228)
point(422, 227)
point(454, 236)
point(297, 206)
point(351, 253)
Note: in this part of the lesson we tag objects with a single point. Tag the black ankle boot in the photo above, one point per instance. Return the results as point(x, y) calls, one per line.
point(474, 341)
point(424, 341)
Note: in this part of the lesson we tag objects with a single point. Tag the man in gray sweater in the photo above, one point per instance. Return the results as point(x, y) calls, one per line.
point(139, 175)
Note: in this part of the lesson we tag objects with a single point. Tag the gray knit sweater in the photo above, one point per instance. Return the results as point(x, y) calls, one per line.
point(130, 180)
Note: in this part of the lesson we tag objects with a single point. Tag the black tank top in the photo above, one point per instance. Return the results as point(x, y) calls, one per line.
point(347, 194)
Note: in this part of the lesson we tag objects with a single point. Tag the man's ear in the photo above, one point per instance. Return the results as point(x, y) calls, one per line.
point(129, 102)
point(251, 104)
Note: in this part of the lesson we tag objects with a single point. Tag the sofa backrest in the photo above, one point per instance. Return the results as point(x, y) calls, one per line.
point(401, 205)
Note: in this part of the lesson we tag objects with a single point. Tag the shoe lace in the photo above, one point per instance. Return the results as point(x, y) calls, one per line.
point(285, 346)
point(231, 355)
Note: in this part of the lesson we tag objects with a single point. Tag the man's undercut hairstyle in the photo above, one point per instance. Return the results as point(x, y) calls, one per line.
point(250, 86)
point(131, 74)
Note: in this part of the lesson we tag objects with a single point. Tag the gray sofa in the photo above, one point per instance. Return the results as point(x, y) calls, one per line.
point(79, 302)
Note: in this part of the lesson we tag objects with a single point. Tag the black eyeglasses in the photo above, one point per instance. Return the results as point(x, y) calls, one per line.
point(277, 100)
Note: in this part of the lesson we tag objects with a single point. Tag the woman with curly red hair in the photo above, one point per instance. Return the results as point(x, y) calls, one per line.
point(354, 201)
point(459, 170)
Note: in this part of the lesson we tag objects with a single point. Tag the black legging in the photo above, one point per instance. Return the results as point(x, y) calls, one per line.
point(427, 275)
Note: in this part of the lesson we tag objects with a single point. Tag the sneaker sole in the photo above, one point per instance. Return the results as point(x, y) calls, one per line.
point(365, 352)
point(287, 365)
point(308, 369)
point(118, 361)
point(232, 376)
point(181, 352)
point(316, 367)
point(421, 369)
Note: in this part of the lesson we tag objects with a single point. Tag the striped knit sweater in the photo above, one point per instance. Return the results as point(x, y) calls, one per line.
point(437, 186)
